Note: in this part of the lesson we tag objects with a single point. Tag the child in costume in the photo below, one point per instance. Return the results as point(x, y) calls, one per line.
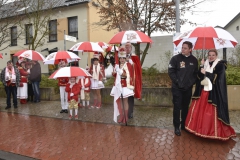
point(85, 84)
point(62, 82)
point(73, 89)
point(98, 75)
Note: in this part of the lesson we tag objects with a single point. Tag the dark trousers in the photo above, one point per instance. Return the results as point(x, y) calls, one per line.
point(36, 91)
point(130, 105)
point(11, 90)
point(30, 92)
point(181, 101)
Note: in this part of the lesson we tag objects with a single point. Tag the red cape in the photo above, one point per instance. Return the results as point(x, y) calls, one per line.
point(138, 76)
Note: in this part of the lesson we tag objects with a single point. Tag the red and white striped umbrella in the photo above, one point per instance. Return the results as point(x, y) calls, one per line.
point(111, 49)
point(86, 47)
point(130, 36)
point(30, 54)
point(207, 38)
point(103, 45)
point(70, 72)
point(56, 57)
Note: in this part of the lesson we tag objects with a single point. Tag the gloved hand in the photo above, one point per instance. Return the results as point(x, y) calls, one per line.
point(116, 67)
point(119, 71)
point(71, 94)
point(130, 61)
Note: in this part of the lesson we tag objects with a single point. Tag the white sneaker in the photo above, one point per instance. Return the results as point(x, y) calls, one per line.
point(76, 117)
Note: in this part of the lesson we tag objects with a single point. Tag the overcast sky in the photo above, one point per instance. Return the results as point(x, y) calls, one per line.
point(219, 12)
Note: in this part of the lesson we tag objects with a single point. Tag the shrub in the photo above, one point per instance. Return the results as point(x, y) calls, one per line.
point(233, 75)
point(109, 82)
point(151, 71)
point(45, 82)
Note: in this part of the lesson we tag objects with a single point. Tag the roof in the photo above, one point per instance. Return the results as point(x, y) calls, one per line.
point(62, 3)
point(233, 20)
point(13, 7)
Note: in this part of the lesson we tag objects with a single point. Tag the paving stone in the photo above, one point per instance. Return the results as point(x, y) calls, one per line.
point(40, 131)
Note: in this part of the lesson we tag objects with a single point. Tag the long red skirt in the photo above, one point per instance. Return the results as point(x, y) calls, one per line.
point(202, 120)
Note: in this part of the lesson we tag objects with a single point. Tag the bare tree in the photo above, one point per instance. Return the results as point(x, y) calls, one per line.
point(147, 16)
point(8, 19)
point(36, 15)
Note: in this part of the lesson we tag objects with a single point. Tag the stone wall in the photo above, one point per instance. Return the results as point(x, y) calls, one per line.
point(150, 96)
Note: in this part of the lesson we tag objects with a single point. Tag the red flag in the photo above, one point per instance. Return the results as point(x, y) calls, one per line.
point(116, 55)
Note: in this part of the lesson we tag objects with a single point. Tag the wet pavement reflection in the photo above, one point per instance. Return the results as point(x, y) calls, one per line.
point(40, 131)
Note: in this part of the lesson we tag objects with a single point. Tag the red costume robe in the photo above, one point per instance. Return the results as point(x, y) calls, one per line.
point(75, 90)
point(24, 79)
point(137, 78)
point(62, 81)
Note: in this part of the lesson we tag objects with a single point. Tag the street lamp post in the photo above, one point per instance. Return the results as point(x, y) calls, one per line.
point(177, 16)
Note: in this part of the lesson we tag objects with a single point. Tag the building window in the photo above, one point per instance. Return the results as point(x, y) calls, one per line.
point(29, 33)
point(73, 26)
point(14, 36)
point(237, 28)
point(52, 30)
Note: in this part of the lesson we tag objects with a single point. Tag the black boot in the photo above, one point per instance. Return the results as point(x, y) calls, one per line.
point(177, 131)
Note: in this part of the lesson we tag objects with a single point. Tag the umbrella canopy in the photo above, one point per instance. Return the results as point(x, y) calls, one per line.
point(56, 57)
point(207, 38)
point(130, 36)
point(87, 47)
point(103, 45)
point(70, 72)
point(111, 49)
point(30, 54)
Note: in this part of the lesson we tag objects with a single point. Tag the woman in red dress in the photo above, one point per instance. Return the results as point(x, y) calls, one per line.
point(22, 90)
point(208, 115)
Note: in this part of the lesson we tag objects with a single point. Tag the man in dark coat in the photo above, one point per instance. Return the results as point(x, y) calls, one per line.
point(35, 78)
point(183, 69)
point(10, 78)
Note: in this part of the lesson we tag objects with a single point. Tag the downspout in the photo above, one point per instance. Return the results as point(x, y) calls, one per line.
point(88, 30)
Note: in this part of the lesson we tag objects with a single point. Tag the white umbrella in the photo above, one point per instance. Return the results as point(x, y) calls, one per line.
point(70, 72)
point(87, 47)
point(207, 38)
point(56, 57)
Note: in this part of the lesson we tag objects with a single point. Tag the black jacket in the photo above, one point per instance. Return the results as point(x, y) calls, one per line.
point(35, 73)
point(183, 71)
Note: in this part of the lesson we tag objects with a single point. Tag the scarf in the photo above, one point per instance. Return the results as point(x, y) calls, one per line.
point(209, 68)
point(10, 75)
point(96, 72)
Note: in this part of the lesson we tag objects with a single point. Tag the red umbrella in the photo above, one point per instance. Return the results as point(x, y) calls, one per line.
point(1, 56)
point(130, 36)
point(207, 38)
point(103, 45)
point(56, 57)
point(87, 47)
point(70, 72)
point(30, 54)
